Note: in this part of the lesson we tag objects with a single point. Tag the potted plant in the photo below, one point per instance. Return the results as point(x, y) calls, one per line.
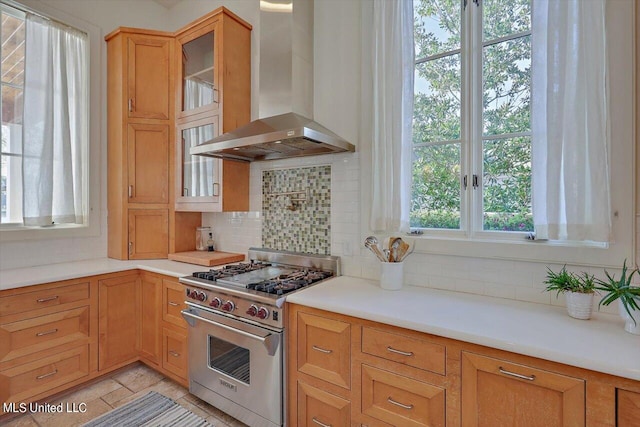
point(628, 297)
point(578, 290)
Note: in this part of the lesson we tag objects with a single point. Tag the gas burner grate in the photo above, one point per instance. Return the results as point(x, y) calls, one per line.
point(289, 282)
point(230, 270)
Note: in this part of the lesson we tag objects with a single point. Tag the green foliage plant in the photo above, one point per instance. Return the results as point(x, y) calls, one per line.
point(621, 289)
point(564, 281)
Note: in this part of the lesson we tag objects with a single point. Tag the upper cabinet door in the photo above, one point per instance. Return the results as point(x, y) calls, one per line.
point(148, 163)
point(148, 82)
point(199, 90)
point(200, 176)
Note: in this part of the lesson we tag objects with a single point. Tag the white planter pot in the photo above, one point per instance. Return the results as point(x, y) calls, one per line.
point(579, 305)
point(629, 325)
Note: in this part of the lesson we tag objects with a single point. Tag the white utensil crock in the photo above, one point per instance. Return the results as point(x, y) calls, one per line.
point(391, 275)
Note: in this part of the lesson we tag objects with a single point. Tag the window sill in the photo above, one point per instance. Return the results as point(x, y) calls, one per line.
point(17, 232)
point(576, 253)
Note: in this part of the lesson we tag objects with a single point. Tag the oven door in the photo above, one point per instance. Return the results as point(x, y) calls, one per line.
point(236, 366)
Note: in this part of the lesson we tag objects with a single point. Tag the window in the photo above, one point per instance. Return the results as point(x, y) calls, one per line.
point(471, 124)
point(12, 48)
point(45, 126)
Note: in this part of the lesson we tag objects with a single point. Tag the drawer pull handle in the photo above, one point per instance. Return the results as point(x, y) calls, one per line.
point(513, 374)
point(174, 354)
point(321, 350)
point(47, 299)
point(402, 405)
point(404, 353)
point(320, 423)
point(174, 304)
point(39, 377)
point(52, 331)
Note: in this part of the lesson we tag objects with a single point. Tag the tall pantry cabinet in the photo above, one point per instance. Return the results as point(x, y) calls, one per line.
point(166, 93)
point(140, 116)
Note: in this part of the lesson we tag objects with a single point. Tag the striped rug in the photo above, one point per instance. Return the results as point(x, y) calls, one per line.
point(151, 410)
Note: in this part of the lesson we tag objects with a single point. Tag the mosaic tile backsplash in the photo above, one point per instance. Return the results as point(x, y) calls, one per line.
point(308, 227)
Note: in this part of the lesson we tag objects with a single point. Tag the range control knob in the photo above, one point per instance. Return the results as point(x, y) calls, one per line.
point(201, 296)
point(188, 292)
point(228, 306)
point(263, 313)
point(252, 310)
point(215, 302)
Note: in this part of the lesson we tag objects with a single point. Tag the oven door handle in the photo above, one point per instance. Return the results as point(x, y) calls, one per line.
point(270, 341)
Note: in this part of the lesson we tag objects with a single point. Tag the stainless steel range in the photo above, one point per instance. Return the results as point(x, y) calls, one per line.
point(236, 330)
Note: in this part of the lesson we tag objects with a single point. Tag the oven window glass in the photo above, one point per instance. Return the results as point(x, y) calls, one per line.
point(229, 359)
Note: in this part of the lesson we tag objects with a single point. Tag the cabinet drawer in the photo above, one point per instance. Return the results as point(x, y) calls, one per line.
point(173, 302)
point(25, 302)
point(40, 333)
point(409, 351)
point(19, 383)
point(401, 401)
point(174, 351)
point(318, 408)
point(324, 349)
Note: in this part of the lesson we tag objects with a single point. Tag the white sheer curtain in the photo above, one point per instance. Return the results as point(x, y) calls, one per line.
point(197, 94)
point(392, 69)
point(198, 173)
point(55, 124)
point(571, 199)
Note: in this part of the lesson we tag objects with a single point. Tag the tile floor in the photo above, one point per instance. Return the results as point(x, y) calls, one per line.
point(118, 389)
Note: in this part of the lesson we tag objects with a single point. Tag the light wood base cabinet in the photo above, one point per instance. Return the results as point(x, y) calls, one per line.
point(317, 407)
point(48, 338)
point(119, 302)
point(150, 318)
point(502, 394)
point(363, 373)
point(628, 408)
point(58, 335)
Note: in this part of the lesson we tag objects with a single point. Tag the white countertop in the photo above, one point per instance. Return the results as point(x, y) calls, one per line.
point(537, 330)
point(20, 277)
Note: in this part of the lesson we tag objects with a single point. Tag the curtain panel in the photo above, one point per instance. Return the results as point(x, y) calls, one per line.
point(570, 159)
point(55, 124)
point(392, 68)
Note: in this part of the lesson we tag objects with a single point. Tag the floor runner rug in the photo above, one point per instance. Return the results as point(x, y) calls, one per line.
point(151, 410)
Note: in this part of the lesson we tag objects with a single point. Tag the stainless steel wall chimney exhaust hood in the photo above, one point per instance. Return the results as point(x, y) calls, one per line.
point(285, 93)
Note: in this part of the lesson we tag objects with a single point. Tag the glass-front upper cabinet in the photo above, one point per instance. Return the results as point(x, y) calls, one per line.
point(199, 72)
point(199, 176)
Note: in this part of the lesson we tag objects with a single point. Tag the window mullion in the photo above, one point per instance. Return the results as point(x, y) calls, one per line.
point(474, 106)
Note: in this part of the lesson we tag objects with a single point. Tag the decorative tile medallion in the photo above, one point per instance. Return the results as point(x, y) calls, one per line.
point(297, 225)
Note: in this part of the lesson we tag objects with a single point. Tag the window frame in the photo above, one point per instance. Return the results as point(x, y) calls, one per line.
point(92, 176)
point(471, 242)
